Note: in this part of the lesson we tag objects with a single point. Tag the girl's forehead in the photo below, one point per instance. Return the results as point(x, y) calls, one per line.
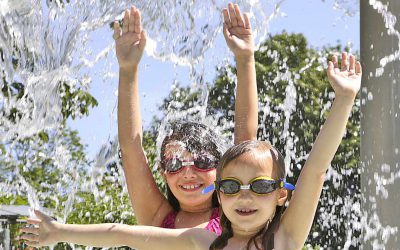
point(175, 148)
point(250, 165)
point(175, 144)
point(178, 148)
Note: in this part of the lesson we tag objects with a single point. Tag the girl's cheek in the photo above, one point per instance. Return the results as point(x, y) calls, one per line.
point(210, 176)
point(227, 199)
point(171, 178)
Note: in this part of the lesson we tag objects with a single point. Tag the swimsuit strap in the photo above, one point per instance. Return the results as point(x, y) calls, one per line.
point(169, 220)
point(213, 223)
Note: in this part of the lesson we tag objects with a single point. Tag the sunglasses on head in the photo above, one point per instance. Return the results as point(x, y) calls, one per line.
point(259, 185)
point(174, 165)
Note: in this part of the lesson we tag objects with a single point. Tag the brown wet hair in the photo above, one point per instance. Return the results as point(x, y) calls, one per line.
point(198, 139)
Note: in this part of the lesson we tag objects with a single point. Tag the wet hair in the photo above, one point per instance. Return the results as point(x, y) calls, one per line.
point(266, 235)
point(198, 139)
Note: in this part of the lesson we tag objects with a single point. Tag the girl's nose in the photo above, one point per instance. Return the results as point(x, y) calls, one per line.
point(245, 195)
point(188, 172)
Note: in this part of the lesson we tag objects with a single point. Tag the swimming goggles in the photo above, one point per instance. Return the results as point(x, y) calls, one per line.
point(259, 185)
point(200, 163)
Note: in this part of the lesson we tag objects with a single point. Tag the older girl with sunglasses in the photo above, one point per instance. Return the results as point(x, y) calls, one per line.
point(251, 188)
point(189, 154)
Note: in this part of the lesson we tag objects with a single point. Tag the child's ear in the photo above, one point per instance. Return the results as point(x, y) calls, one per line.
point(283, 194)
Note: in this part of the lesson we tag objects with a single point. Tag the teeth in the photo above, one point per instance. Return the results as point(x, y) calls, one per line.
point(245, 210)
point(191, 186)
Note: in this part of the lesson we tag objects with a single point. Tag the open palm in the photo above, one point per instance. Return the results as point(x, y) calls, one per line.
point(42, 231)
point(129, 43)
point(346, 81)
point(237, 31)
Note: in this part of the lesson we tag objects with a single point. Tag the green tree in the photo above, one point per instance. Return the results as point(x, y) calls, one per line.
point(43, 166)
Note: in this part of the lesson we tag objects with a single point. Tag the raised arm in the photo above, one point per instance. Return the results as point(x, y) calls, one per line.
point(239, 38)
point(47, 232)
point(297, 220)
point(129, 44)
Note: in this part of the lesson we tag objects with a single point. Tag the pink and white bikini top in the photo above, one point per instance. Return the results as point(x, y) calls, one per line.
point(213, 224)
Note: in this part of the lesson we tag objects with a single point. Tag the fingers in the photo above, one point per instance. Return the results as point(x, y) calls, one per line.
point(246, 21)
point(143, 39)
point(335, 64)
point(125, 25)
point(41, 216)
point(354, 66)
point(227, 35)
point(30, 237)
point(30, 230)
point(238, 15)
point(32, 243)
point(131, 27)
point(227, 21)
point(132, 21)
point(358, 68)
point(344, 61)
point(331, 69)
point(117, 30)
point(352, 61)
point(138, 22)
point(33, 221)
point(232, 15)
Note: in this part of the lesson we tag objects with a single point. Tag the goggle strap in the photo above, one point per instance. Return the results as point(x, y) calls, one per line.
point(288, 186)
point(187, 163)
point(208, 189)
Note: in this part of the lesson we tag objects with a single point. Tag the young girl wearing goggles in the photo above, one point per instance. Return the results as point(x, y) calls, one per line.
point(185, 205)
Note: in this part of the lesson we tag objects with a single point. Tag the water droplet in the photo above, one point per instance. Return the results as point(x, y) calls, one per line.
point(370, 97)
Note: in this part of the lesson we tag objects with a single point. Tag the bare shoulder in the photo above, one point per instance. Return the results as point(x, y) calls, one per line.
point(162, 212)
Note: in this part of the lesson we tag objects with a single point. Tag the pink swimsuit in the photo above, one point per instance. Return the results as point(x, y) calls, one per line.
point(213, 225)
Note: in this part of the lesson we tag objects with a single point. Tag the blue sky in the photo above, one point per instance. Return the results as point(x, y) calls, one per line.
point(316, 19)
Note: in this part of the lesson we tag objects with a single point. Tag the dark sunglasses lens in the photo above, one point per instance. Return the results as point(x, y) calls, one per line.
point(229, 186)
point(263, 186)
point(205, 163)
point(173, 165)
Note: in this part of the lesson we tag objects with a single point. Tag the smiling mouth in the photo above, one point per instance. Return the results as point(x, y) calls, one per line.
point(191, 188)
point(245, 211)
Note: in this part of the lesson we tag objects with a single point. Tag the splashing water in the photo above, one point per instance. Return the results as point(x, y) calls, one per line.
point(390, 21)
point(47, 44)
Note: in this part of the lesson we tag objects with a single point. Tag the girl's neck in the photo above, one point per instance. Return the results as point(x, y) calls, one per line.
point(196, 209)
point(244, 234)
point(193, 217)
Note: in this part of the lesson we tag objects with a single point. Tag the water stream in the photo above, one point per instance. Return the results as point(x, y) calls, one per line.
point(45, 44)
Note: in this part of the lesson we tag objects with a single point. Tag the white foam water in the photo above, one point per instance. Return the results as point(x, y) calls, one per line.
point(46, 43)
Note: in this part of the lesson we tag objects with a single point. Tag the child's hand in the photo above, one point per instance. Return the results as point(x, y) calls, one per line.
point(237, 32)
point(345, 82)
point(130, 43)
point(43, 232)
